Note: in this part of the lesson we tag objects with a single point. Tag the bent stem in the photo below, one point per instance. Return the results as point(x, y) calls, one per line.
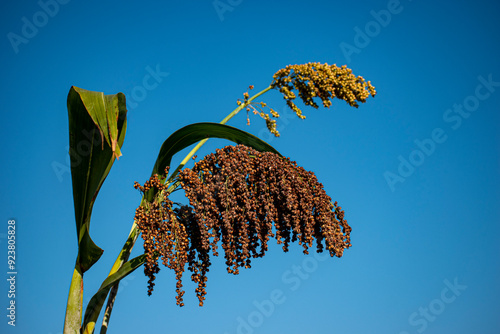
point(134, 232)
point(224, 121)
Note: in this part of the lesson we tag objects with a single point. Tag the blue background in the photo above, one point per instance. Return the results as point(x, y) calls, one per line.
point(411, 240)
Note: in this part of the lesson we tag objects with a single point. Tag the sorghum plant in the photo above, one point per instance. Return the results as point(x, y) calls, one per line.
point(237, 198)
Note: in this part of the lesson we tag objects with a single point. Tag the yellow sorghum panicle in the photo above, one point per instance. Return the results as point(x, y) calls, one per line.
point(323, 81)
point(236, 196)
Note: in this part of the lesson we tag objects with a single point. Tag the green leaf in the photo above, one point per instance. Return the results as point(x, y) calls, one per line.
point(97, 126)
point(195, 132)
point(97, 301)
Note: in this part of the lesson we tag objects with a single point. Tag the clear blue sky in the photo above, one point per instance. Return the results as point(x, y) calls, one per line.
point(416, 168)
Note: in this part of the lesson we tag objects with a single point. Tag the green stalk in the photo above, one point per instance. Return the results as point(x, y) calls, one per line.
point(109, 308)
point(224, 121)
point(122, 258)
point(73, 319)
point(134, 232)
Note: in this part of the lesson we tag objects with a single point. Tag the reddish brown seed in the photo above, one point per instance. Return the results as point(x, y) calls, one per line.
point(236, 196)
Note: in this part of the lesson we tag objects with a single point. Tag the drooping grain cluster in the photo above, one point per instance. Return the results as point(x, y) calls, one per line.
point(311, 81)
point(236, 196)
point(323, 81)
point(164, 236)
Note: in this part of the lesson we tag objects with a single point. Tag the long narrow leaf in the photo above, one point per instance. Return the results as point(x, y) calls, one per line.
point(96, 302)
point(97, 126)
point(193, 133)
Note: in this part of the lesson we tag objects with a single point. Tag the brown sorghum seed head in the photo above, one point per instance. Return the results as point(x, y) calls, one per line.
point(236, 196)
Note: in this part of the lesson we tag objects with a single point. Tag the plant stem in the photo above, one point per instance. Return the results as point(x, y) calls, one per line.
point(122, 258)
point(134, 232)
point(109, 308)
point(73, 319)
point(224, 121)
